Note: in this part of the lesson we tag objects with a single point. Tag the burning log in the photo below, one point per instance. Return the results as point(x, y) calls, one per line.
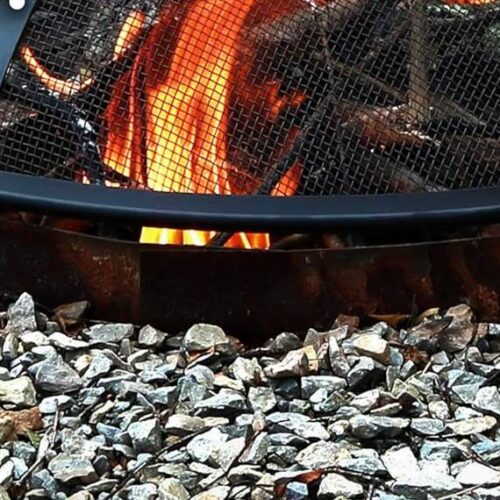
point(167, 123)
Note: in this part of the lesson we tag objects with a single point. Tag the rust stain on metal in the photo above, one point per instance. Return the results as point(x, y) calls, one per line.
point(251, 294)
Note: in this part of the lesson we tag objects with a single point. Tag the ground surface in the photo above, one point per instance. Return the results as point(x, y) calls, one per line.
point(115, 411)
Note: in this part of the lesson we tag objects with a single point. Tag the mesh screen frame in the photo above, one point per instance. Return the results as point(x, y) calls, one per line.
point(247, 212)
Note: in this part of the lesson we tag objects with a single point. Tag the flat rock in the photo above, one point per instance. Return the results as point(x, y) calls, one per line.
point(225, 456)
point(76, 445)
point(475, 473)
point(486, 493)
point(335, 485)
point(319, 455)
point(364, 461)
point(299, 424)
point(112, 333)
point(225, 402)
point(67, 343)
point(487, 450)
point(183, 425)
point(257, 451)
point(474, 425)
point(19, 391)
point(427, 426)
point(68, 468)
point(368, 427)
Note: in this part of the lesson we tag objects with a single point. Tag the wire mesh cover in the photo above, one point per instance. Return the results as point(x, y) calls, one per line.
point(257, 96)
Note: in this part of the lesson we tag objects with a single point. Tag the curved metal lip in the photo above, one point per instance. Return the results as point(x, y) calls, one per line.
point(254, 213)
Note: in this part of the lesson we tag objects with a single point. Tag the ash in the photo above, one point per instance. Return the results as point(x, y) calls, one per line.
point(405, 408)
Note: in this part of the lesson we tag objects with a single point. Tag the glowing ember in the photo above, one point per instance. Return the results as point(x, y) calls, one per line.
point(168, 117)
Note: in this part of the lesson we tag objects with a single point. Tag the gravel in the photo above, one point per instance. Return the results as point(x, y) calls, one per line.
point(351, 412)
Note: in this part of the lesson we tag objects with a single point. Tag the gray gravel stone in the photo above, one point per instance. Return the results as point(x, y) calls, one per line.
point(366, 401)
point(112, 333)
point(487, 400)
point(51, 404)
point(366, 461)
point(145, 435)
point(284, 343)
point(206, 445)
point(225, 402)
point(172, 489)
point(257, 451)
point(335, 485)
point(201, 337)
point(312, 383)
point(21, 315)
point(262, 399)
point(295, 364)
point(151, 337)
point(427, 426)
point(67, 343)
point(99, 366)
point(364, 369)
point(57, 376)
point(68, 468)
point(147, 491)
point(247, 370)
point(432, 479)
point(400, 462)
point(183, 425)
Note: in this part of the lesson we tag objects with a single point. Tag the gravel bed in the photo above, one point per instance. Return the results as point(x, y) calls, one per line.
point(96, 411)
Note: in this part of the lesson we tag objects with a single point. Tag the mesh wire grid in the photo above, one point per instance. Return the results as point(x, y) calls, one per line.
point(236, 97)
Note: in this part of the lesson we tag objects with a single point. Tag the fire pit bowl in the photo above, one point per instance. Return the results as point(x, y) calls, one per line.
point(252, 294)
point(229, 117)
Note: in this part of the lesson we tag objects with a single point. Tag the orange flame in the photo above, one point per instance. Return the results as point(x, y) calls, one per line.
point(168, 117)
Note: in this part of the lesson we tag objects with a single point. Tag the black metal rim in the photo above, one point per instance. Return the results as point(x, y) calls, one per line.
point(253, 213)
point(12, 24)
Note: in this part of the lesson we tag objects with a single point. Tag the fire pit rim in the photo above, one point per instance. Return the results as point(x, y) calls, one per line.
point(249, 213)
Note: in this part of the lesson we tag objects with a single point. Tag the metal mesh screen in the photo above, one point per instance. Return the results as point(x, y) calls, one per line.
point(275, 97)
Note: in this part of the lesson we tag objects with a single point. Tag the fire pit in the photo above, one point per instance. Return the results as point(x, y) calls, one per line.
point(227, 123)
